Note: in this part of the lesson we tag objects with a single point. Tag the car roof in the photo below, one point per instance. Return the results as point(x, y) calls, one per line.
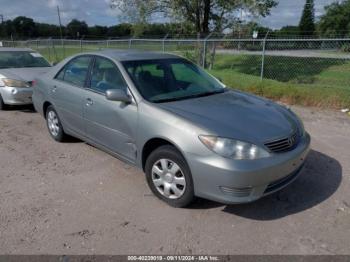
point(131, 55)
point(14, 49)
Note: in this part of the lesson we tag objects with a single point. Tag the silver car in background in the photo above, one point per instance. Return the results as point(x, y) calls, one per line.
point(18, 68)
point(190, 134)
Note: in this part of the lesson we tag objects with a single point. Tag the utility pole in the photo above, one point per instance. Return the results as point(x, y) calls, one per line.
point(2, 30)
point(59, 21)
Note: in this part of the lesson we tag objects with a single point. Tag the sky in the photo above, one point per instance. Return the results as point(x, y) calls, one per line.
point(288, 12)
point(98, 12)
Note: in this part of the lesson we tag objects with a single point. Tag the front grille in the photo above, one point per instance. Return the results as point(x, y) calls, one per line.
point(284, 144)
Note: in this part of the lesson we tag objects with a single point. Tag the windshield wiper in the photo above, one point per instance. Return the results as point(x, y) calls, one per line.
point(206, 93)
point(168, 100)
point(190, 96)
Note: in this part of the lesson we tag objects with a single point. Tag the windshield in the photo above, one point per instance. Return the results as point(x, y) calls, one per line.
point(20, 59)
point(165, 80)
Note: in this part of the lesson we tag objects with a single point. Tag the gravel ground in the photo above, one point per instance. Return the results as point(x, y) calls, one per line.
point(74, 199)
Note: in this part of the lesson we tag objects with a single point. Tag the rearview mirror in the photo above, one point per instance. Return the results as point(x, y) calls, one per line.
point(118, 95)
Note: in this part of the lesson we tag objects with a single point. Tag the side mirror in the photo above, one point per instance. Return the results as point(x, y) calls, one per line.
point(118, 95)
point(54, 63)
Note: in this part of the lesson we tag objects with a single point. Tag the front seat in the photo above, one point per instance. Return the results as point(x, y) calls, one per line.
point(111, 80)
point(147, 86)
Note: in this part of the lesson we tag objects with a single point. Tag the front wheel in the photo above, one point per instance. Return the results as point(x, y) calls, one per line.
point(169, 176)
point(54, 125)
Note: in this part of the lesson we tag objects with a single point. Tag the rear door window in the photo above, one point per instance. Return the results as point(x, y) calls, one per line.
point(75, 71)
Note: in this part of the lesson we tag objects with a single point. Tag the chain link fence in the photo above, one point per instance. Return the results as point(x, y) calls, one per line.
point(297, 61)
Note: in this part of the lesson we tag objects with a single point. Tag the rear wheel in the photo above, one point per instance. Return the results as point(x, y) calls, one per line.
point(169, 176)
point(2, 104)
point(54, 125)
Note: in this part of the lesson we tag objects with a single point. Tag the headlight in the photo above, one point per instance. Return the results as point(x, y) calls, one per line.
point(15, 83)
point(233, 148)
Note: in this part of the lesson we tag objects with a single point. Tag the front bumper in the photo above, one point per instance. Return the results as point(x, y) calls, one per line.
point(16, 96)
point(240, 181)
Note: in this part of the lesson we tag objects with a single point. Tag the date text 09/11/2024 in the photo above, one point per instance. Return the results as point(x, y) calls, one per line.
point(173, 258)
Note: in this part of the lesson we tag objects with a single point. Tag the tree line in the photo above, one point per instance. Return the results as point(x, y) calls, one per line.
point(194, 17)
point(22, 27)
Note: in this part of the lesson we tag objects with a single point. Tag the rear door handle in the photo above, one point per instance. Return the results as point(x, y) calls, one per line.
point(89, 102)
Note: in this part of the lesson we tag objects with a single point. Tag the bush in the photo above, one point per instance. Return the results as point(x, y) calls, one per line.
point(345, 48)
point(191, 55)
point(303, 80)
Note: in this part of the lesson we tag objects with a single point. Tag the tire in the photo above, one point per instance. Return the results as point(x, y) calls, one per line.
point(169, 176)
point(54, 125)
point(2, 104)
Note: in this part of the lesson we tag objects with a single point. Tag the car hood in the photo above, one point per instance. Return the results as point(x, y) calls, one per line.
point(233, 114)
point(24, 74)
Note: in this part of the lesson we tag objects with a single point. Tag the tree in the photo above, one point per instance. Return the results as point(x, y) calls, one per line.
point(203, 14)
point(121, 30)
point(24, 27)
point(251, 27)
point(6, 29)
point(77, 28)
point(97, 31)
point(47, 30)
point(336, 20)
point(288, 31)
point(307, 21)
point(155, 30)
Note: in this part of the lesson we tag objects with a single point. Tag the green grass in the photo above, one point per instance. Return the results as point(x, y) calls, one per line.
point(300, 70)
point(321, 82)
point(301, 94)
point(58, 53)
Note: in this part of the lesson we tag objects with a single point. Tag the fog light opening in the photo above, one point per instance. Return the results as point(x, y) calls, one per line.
point(237, 192)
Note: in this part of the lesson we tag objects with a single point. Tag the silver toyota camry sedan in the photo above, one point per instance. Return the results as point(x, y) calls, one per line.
point(192, 136)
point(18, 68)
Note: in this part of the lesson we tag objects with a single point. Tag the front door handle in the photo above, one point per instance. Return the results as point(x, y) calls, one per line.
point(89, 102)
